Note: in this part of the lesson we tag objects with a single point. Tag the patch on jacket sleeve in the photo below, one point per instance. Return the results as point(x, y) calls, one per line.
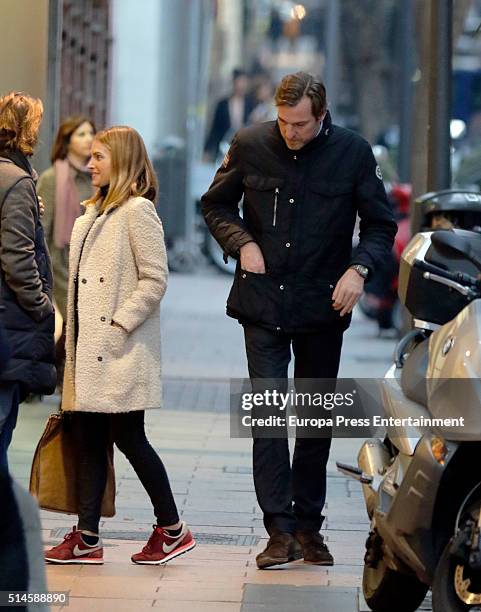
point(226, 160)
point(378, 172)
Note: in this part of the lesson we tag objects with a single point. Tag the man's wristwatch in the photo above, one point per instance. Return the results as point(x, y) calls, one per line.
point(361, 270)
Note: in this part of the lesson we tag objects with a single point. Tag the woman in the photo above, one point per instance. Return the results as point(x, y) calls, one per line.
point(26, 312)
point(118, 276)
point(62, 187)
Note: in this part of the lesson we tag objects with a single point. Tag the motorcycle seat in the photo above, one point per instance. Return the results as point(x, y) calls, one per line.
point(413, 375)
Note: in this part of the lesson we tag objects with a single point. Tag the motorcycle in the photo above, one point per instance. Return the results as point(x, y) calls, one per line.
point(436, 210)
point(421, 484)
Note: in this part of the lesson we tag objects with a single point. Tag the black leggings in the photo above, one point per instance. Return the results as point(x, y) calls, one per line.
point(92, 433)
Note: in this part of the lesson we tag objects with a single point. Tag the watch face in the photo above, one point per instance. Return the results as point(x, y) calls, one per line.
point(363, 271)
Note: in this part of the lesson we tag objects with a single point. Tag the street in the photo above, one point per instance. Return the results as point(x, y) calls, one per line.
point(212, 481)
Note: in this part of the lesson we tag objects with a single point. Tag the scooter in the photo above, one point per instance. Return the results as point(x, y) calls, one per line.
point(422, 481)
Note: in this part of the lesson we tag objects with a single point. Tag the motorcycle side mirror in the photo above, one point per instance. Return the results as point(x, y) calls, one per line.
point(452, 244)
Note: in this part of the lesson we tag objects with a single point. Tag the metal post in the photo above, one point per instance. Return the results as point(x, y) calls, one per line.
point(332, 53)
point(406, 47)
point(440, 69)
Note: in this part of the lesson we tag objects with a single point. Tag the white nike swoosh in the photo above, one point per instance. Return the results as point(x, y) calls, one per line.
point(78, 553)
point(169, 548)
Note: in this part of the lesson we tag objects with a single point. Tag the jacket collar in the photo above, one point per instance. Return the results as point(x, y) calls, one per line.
point(20, 160)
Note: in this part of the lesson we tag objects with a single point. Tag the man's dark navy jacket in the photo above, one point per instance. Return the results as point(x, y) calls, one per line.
point(300, 208)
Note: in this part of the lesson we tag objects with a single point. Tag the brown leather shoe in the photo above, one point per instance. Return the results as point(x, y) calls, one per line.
point(314, 550)
point(281, 548)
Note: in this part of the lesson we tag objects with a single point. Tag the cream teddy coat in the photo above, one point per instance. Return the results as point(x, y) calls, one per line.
point(118, 263)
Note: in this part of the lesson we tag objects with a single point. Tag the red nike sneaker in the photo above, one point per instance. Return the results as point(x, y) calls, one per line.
point(74, 550)
point(162, 547)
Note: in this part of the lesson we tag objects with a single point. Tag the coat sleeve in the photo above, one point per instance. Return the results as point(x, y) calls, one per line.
point(377, 228)
point(220, 204)
point(147, 243)
point(17, 255)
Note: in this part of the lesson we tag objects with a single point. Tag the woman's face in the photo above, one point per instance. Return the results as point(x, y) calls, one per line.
point(99, 164)
point(80, 143)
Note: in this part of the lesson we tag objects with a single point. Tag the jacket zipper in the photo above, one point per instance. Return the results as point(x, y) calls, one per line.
point(276, 195)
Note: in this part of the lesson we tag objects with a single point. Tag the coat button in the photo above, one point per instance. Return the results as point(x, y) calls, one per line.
point(244, 275)
point(295, 156)
point(102, 319)
point(291, 200)
point(278, 329)
point(281, 287)
point(84, 280)
point(99, 358)
point(101, 279)
point(288, 244)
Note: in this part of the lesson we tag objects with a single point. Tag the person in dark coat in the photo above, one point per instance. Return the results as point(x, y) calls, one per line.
point(231, 113)
point(303, 180)
point(27, 315)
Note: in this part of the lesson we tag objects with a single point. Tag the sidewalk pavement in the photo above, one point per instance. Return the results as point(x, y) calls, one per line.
point(211, 476)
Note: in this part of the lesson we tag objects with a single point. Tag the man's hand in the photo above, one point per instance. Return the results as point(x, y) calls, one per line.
point(348, 290)
point(252, 259)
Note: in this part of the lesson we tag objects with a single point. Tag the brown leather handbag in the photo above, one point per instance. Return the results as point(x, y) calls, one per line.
point(53, 477)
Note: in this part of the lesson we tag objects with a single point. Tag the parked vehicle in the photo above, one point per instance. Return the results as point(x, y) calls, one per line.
point(421, 482)
point(451, 208)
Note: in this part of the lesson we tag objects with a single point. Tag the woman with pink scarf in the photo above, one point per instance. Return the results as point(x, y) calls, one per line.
point(62, 187)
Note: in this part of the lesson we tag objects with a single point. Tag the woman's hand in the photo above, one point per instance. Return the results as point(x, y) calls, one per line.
point(41, 206)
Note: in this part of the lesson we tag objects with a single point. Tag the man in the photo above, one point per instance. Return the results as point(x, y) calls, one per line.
point(26, 310)
point(231, 113)
point(303, 180)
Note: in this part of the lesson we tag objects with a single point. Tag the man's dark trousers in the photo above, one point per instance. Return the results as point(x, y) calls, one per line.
point(291, 498)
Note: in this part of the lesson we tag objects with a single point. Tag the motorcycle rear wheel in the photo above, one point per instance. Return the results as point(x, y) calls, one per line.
point(386, 590)
point(450, 579)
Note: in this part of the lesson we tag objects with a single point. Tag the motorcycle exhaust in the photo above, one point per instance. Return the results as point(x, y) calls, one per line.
point(373, 459)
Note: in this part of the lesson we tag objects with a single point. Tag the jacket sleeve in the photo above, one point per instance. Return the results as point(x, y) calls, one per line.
point(147, 243)
point(220, 205)
point(17, 255)
point(377, 227)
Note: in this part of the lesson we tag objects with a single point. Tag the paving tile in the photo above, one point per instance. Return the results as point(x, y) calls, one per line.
point(199, 573)
point(112, 587)
point(176, 591)
point(298, 599)
point(102, 604)
point(205, 606)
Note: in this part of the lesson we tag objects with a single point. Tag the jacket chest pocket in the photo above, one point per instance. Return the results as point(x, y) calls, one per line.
point(262, 198)
point(330, 202)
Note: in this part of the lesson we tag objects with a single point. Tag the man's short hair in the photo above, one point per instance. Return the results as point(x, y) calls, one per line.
point(238, 72)
point(294, 87)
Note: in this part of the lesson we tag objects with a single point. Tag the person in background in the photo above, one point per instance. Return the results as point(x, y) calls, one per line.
point(264, 109)
point(27, 313)
point(62, 187)
point(118, 277)
point(231, 113)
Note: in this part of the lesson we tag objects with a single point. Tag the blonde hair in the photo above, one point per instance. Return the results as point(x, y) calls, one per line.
point(20, 118)
point(131, 171)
